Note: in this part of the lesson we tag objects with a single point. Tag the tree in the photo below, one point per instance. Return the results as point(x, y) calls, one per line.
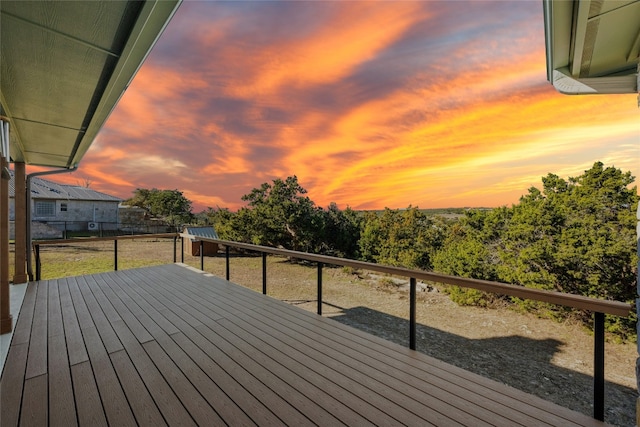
point(340, 232)
point(407, 238)
point(279, 215)
point(575, 236)
point(170, 205)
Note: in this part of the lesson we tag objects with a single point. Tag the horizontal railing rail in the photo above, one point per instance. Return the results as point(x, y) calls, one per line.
point(58, 242)
point(615, 308)
point(598, 307)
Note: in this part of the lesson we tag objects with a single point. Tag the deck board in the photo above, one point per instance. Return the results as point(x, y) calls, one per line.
point(87, 398)
point(168, 345)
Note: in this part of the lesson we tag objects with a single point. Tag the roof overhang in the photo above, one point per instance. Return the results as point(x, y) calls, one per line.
point(64, 66)
point(592, 45)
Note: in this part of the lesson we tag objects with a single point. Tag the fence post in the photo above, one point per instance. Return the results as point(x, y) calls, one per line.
point(175, 246)
point(412, 313)
point(227, 261)
point(182, 249)
point(38, 265)
point(598, 366)
point(320, 288)
point(264, 273)
point(115, 254)
point(202, 255)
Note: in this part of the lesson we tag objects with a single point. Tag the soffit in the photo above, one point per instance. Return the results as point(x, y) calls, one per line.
point(593, 46)
point(64, 66)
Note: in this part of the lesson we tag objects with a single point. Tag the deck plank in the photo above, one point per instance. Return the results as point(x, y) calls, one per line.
point(113, 399)
point(168, 345)
point(126, 288)
point(196, 405)
point(205, 384)
point(432, 415)
point(144, 408)
point(88, 404)
point(62, 410)
point(174, 312)
point(35, 411)
point(22, 332)
point(169, 404)
point(506, 397)
point(12, 384)
point(97, 311)
point(219, 353)
point(379, 375)
point(440, 381)
point(37, 359)
point(75, 344)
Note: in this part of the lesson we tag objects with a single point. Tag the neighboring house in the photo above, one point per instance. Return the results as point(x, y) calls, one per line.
point(56, 208)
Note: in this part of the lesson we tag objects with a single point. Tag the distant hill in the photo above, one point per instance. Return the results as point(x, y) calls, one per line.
point(445, 212)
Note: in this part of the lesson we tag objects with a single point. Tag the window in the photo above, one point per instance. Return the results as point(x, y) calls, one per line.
point(63, 207)
point(45, 208)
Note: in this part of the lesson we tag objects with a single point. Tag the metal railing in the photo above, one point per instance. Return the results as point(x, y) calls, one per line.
point(598, 307)
point(37, 244)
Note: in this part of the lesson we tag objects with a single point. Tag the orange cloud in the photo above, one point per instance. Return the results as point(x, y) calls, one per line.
point(369, 104)
point(352, 36)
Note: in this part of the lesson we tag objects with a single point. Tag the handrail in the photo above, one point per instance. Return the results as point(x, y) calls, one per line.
point(616, 308)
point(36, 245)
point(98, 239)
point(597, 306)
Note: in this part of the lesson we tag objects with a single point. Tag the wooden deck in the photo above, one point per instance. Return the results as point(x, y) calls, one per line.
point(169, 345)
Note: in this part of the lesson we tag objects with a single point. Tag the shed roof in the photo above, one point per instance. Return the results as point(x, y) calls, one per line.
point(43, 189)
point(208, 232)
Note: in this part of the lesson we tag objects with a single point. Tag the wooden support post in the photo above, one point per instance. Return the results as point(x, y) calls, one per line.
point(115, 255)
point(20, 207)
point(6, 319)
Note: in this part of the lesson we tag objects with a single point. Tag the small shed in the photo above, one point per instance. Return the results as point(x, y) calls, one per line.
point(193, 246)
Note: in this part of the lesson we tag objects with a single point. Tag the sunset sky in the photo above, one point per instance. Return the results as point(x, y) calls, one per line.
point(434, 104)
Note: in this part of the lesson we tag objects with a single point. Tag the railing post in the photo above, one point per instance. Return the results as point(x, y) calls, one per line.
point(227, 261)
point(182, 249)
point(598, 366)
point(320, 288)
point(38, 265)
point(175, 246)
point(412, 313)
point(264, 273)
point(115, 254)
point(202, 255)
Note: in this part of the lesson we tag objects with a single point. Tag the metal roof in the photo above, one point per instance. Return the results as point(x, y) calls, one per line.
point(64, 66)
point(43, 189)
point(592, 45)
point(208, 232)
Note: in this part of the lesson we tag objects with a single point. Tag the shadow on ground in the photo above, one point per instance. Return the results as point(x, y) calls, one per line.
point(518, 361)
